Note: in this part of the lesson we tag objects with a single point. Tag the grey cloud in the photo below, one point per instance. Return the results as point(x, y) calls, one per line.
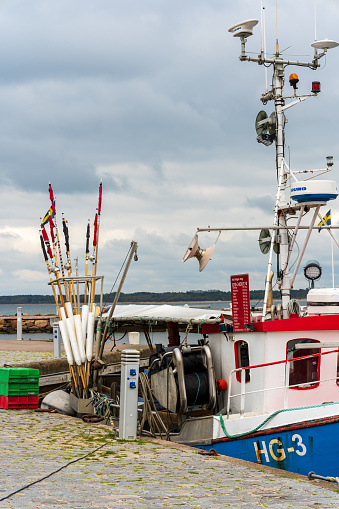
point(155, 90)
point(9, 235)
point(264, 203)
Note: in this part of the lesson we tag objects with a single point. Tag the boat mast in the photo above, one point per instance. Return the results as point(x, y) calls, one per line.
point(243, 31)
point(282, 220)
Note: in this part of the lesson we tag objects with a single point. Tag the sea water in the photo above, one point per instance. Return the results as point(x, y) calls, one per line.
point(156, 337)
point(41, 309)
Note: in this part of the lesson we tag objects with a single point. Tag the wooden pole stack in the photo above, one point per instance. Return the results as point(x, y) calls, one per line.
point(76, 326)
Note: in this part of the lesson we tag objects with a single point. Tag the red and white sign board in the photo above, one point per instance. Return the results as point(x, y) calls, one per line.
point(241, 308)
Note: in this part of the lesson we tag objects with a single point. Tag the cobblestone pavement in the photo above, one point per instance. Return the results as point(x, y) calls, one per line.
point(124, 475)
point(22, 357)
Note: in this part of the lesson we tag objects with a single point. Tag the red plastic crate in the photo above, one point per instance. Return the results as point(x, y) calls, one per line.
point(16, 402)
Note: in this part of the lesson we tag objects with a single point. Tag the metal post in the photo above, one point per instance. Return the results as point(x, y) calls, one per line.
point(229, 391)
point(19, 324)
point(305, 245)
point(287, 384)
point(132, 252)
point(56, 341)
point(129, 394)
point(243, 390)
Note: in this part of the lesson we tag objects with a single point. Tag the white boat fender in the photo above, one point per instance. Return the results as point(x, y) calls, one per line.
point(73, 340)
point(66, 341)
point(79, 337)
point(90, 336)
point(84, 320)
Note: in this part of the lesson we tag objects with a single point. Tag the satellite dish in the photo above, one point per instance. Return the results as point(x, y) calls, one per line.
point(272, 123)
point(325, 44)
point(265, 242)
point(195, 251)
point(243, 29)
point(261, 123)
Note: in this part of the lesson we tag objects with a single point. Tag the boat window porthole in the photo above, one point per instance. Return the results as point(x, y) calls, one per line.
point(304, 373)
point(242, 359)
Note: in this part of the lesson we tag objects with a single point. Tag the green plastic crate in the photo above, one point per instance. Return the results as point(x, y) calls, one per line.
point(19, 375)
point(22, 389)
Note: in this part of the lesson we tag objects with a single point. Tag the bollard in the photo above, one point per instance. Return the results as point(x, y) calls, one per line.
point(19, 324)
point(129, 394)
point(56, 341)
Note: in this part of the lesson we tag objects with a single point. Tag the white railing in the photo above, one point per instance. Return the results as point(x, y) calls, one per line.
point(242, 371)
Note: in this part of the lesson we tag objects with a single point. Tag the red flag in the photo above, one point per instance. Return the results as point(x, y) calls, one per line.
point(49, 251)
point(51, 196)
point(44, 234)
point(52, 235)
point(100, 198)
point(96, 223)
point(51, 223)
point(95, 230)
point(53, 207)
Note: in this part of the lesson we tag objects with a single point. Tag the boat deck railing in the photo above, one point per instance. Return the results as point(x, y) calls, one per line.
point(245, 393)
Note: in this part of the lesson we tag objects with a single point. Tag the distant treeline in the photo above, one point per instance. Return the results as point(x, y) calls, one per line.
point(190, 296)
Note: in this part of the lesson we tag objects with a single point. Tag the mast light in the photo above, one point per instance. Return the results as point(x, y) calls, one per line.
point(294, 80)
point(312, 271)
point(315, 87)
point(329, 161)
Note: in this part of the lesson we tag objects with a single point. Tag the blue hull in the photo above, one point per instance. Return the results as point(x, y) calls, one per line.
point(300, 448)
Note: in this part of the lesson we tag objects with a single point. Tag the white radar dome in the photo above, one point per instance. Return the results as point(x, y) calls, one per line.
point(243, 29)
point(314, 190)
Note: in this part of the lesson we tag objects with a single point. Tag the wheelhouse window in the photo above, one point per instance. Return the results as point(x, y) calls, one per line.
point(242, 359)
point(303, 373)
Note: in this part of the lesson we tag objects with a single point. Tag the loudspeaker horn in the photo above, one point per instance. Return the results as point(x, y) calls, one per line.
point(261, 123)
point(195, 251)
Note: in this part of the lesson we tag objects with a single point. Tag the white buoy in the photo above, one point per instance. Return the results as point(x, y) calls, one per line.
point(63, 314)
point(69, 310)
point(84, 321)
point(90, 335)
point(73, 341)
point(78, 331)
point(65, 339)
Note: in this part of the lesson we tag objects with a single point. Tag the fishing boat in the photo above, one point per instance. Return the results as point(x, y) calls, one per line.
point(259, 386)
point(262, 387)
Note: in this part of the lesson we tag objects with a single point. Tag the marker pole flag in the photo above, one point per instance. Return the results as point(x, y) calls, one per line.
point(88, 233)
point(49, 273)
point(96, 244)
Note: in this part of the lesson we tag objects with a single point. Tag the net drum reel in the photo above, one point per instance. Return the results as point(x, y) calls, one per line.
point(183, 379)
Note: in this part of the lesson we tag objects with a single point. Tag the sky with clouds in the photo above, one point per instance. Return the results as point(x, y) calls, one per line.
point(150, 97)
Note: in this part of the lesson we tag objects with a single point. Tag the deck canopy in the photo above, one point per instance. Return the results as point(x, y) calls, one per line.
point(126, 316)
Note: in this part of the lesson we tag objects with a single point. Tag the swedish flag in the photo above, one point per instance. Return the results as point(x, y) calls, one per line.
point(46, 217)
point(326, 220)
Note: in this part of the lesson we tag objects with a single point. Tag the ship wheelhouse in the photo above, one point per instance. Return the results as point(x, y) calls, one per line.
point(286, 367)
